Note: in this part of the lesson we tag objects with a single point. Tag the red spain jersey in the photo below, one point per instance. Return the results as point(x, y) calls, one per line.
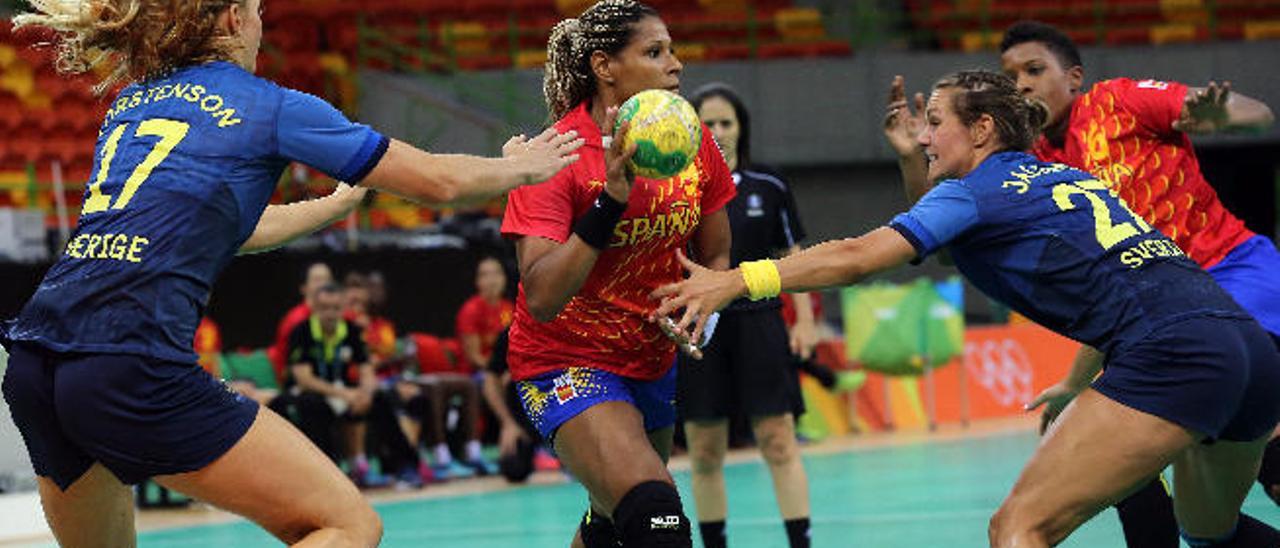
point(1122, 132)
point(478, 317)
point(605, 325)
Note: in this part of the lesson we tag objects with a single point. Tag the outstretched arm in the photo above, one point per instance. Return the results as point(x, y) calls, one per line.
point(451, 179)
point(829, 264)
point(283, 223)
point(1217, 108)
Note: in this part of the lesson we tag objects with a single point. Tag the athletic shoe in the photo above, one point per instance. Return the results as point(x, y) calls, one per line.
point(542, 460)
point(481, 467)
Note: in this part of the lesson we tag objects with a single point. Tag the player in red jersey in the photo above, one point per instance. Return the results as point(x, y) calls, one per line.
point(594, 373)
point(1133, 135)
point(486, 315)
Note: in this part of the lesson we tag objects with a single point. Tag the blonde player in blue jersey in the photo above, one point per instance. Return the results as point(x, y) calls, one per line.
point(1190, 376)
point(101, 380)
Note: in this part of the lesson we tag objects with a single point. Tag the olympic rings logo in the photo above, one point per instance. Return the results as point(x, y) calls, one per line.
point(1003, 368)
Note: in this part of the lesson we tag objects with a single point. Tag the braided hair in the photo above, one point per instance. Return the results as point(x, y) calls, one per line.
point(606, 26)
point(1018, 120)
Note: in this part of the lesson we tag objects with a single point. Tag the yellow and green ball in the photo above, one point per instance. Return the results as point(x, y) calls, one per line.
point(665, 130)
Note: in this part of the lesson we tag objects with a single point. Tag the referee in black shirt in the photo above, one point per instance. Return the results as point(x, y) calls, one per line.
point(750, 363)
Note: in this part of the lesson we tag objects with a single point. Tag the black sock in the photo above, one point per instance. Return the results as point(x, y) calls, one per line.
point(798, 532)
point(713, 534)
point(1147, 517)
point(1249, 533)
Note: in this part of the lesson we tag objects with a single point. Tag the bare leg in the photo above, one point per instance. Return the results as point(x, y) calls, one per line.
point(1210, 483)
point(97, 510)
point(1095, 453)
point(589, 445)
point(278, 479)
point(708, 442)
point(776, 436)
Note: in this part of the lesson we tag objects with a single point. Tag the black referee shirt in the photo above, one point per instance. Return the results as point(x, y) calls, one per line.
point(763, 220)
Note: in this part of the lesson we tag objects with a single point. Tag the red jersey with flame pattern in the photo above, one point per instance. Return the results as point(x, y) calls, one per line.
point(1122, 132)
point(605, 326)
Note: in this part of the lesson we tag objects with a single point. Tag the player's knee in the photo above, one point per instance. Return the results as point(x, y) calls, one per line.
point(650, 515)
point(779, 450)
point(706, 460)
point(365, 529)
point(1017, 524)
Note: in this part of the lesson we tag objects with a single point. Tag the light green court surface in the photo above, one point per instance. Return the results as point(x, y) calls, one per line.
point(926, 494)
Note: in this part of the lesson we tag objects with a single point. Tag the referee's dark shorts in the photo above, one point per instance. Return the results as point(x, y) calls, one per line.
point(748, 368)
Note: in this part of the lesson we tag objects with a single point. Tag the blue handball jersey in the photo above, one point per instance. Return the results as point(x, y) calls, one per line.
point(1058, 246)
point(184, 166)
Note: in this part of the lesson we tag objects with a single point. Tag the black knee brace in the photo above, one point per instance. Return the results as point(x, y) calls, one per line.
point(650, 515)
point(598, 531)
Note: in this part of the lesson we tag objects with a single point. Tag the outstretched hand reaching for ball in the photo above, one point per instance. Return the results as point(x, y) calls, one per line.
point(703, 292)
point(541, 157)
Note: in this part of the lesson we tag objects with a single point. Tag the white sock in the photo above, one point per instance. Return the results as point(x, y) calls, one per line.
point(473, 450)
point(442, 454)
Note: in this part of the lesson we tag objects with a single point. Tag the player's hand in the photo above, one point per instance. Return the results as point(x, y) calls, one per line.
point(617, 159)
point(1205, 110)
point(541, 157)
point(901, 123)
point(804, 338)
point(350, 195)
point(509, 438)
point(703, 292)
point(1055, 399)
point(683, 340)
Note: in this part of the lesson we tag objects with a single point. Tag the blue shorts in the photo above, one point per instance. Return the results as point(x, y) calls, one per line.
point(140, 417)
point(552, 399)
point(1215, 376)
point(1251, 274)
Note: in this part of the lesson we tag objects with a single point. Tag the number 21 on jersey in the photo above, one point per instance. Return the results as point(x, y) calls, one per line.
point(1109, 234)
point(170, 132)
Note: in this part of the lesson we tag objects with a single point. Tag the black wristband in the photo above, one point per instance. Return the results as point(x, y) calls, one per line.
point(596, 226)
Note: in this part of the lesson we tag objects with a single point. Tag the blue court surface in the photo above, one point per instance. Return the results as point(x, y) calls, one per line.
point(918, 493)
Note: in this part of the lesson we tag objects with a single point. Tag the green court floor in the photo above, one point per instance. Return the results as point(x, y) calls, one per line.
point(925, 494)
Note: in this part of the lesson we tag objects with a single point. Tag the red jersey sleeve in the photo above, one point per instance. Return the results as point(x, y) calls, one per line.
point(719, 189)
point(1155, 104)
point(544, 209)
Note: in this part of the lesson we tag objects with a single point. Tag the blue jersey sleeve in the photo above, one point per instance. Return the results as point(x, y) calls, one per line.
point(939, 217)
point(312, 132)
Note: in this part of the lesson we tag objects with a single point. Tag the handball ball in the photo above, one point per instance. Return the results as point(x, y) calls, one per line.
point(665, 130)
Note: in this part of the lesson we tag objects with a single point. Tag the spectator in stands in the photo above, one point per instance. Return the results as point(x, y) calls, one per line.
point(520, 449)
point(379, 332)
point(318, 274)
point(330, 377)
point(446, 385)
point(406, 398)
point(484, 316)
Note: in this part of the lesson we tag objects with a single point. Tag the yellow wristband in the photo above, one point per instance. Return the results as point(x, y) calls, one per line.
point(762, 279)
